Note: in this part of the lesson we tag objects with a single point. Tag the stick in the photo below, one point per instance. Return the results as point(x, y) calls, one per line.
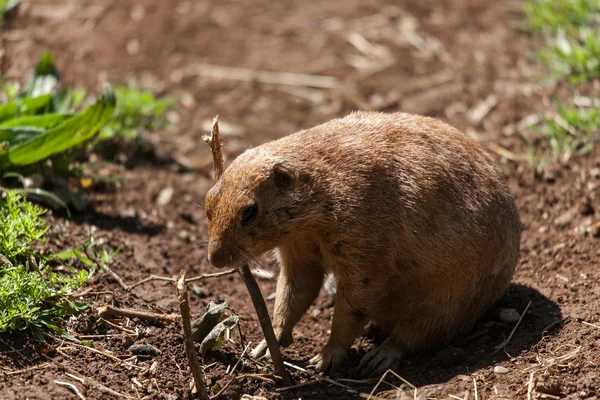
point(190, 350)
point(250, 75)
point(265, 322)
point(194, 279)
point(215, 145)
point(503, 345)
point(97, 385)
point(257, 299)
point(72, 387)
point(112, 273)
point(530, 386)
point(143, 315)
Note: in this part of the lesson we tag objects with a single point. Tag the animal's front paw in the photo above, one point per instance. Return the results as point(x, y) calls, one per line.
point(330, 359)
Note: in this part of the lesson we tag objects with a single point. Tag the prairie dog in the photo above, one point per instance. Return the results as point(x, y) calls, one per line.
point(410, 215)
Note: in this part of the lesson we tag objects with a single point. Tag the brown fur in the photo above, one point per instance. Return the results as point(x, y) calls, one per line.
point(410, 215)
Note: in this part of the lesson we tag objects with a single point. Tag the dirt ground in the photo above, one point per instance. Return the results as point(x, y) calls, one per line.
point(460, 60)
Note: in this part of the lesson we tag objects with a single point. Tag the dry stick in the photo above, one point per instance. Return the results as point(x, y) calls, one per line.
point(257, 299)
point(143, 315)
point(96, 385)
point(530, 386)
point(112, 273)
point(503, 345)
point(251, 75)
point(190, 351)
point(194, 279)
point(72, 387)
point(29, 369)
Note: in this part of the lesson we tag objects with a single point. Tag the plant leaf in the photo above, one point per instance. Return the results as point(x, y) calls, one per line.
point(66, 135)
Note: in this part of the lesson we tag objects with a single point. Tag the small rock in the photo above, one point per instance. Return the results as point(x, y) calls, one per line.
point(133, 47)
point(128, 213)
point(565, 218)
point(585, 207)
point(595, 231)
point(509, 315)
point(188, 101)
point(144, 349)
point(315, 313)
point(499, 369)
point(165, 196)
point(137, 13)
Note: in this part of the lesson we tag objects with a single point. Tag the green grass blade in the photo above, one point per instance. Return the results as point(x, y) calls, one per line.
point(39, 121)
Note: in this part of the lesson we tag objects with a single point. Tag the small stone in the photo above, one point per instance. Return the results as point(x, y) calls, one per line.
point(137, 13)
point(565, 218)
point(585, 207)
point(144, 349)
point(595, 230)
point(315, 313)
point(128, 213)
point(188, 101)
point(165, 196)
point(509, 315)
point(499, 369)
point(133, 47)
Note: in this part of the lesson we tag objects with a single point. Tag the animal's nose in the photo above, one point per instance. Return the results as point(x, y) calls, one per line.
point(218, 256)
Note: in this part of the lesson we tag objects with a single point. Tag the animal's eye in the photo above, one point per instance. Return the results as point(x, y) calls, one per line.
point(249, 214)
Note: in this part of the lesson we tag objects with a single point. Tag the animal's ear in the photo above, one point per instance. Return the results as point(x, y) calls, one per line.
point(283, 177)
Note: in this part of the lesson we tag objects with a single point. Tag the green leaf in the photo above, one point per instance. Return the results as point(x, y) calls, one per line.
point(67, 254)
point(22, 107)
point(70, 133)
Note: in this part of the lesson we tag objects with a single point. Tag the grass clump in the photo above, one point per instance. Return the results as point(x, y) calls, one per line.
point(551, 16)
point(136, 111)
point(31, 294)
point(571, 131)
point(577, 59)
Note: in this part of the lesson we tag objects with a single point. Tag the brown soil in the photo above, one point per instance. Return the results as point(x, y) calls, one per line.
point(472, 41)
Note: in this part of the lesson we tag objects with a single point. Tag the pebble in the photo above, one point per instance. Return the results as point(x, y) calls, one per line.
point(199, 291)
point(595, 231)
point(548, 385)
point(498, 369)
point(144, 349)
point(509, 315)
point(565, 218)
point(165, 196)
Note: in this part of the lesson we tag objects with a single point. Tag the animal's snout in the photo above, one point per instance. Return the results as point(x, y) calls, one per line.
point(218, 255)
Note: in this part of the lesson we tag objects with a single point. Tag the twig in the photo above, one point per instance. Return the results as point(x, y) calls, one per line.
point(265, 322)
point(190, 351)
point(590, 324)
point(112, 273)
point(503, 345)
point(121, 328)
point(241, 357)
point(252, 75)
point(371, 395)
point(30, 369)
point(284, 389)
point(257, 299)
point(97, 385)
point(143, 315)
point(530, 386)
point(475, 388)
point(214, 141)
point(72, 387)
point(105, 354)
point(196, 278)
